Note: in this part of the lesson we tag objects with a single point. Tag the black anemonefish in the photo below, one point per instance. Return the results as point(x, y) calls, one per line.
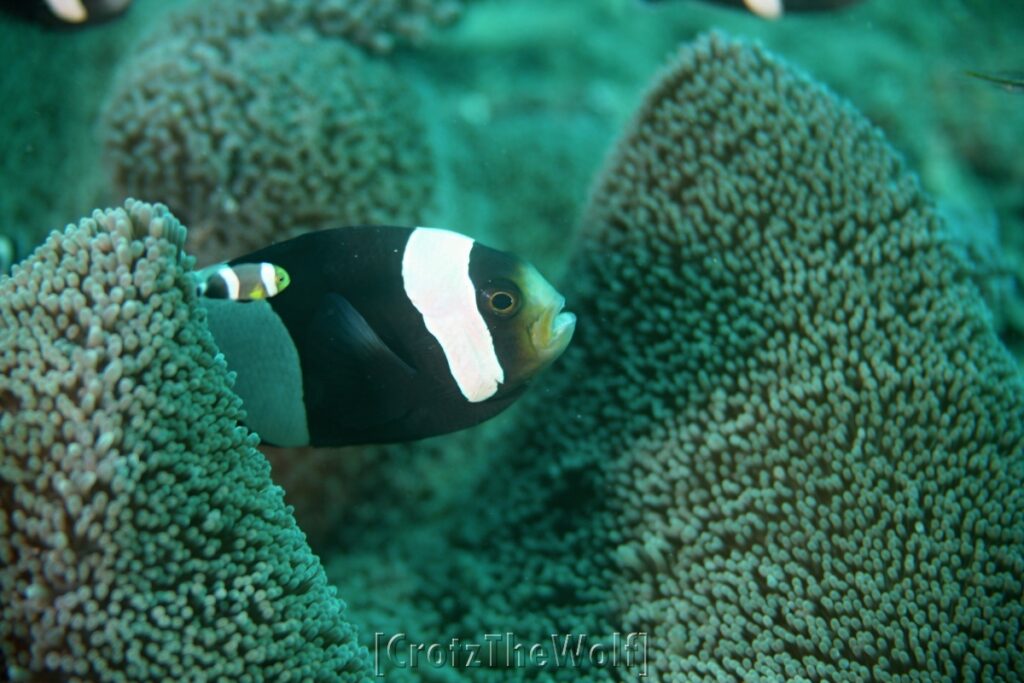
point(386, 334)
point(774, 9)
point(66, 12)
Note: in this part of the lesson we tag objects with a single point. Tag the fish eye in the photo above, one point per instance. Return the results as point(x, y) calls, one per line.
point(503, 302)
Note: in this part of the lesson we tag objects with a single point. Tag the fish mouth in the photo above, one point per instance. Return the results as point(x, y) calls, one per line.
point(552, 331)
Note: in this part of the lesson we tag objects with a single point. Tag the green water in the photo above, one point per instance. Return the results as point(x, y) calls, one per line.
point(863, 517)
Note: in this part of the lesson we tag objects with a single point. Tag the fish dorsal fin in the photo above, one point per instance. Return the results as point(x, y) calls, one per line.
point(354, 383)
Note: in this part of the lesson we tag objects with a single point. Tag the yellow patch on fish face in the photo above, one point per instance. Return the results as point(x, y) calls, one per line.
point(272, 280)
point(282, 278)
point(546, 328)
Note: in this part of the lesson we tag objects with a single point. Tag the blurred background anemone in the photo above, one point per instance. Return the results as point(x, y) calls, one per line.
point(259, 137)
point(487, 116)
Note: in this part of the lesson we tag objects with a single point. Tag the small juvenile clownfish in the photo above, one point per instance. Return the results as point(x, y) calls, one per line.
point(244, 282)
point(386, 334)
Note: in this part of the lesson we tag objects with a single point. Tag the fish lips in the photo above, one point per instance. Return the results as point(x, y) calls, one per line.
point(551, 333)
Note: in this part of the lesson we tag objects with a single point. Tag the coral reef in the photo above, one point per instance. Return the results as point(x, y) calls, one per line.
point(141, 537)
point(253, 137)
point(786, 443)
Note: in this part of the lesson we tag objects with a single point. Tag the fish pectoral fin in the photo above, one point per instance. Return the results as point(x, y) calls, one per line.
point(339, 332)
point(353, 380)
